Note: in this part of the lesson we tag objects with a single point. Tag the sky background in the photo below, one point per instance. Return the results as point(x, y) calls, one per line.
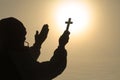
point(93, 54)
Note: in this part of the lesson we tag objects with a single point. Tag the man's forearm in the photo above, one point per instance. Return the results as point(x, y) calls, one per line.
point(37, 45)
point(35, 51)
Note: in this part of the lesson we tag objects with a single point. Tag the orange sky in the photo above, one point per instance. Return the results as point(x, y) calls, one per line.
point(93, 55)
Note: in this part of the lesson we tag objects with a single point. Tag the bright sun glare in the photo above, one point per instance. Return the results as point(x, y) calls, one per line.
point(79, 14)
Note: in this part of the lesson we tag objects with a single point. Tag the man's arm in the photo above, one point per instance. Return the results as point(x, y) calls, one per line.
point(59, 59)
point(39, 39)
point(57, 64)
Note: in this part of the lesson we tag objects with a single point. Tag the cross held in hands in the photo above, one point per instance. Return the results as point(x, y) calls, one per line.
point(68, 23)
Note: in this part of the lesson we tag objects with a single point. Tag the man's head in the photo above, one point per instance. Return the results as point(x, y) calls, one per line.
point(12, 32)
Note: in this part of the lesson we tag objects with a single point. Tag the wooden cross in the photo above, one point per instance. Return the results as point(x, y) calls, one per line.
point(68, 23)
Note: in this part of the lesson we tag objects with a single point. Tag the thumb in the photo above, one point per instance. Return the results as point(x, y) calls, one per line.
point(36, 33)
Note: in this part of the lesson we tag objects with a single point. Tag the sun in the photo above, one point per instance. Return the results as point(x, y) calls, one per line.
point(79, 14)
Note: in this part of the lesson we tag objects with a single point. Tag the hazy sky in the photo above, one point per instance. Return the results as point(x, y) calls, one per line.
point(92, 55)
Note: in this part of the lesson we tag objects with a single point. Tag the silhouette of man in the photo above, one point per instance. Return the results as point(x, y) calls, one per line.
point(19, 62)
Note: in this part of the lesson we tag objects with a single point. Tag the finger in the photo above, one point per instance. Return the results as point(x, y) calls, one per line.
point(36, 33)
point(66, 32)
point(45, 28)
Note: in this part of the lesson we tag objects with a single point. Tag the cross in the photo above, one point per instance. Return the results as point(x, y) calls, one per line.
point(68, 23)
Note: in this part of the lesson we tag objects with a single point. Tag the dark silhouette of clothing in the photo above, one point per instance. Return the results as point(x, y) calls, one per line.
point(19, 62)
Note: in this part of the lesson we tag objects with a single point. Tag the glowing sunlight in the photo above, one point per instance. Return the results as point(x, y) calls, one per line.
point(79, 14)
